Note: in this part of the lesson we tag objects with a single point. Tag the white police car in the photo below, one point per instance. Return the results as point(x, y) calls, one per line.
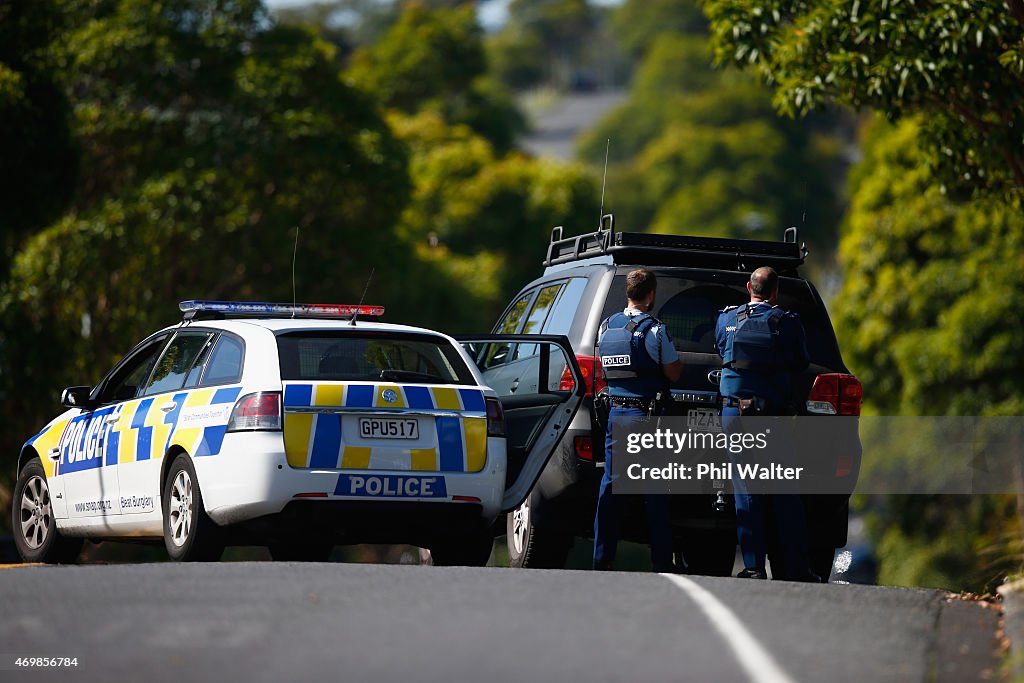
point(298, 427)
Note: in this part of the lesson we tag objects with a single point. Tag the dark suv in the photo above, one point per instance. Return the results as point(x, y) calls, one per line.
point(583, 283)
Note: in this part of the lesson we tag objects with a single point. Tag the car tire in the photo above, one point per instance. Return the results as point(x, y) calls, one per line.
point(469, 550)
point(189, 534)
point(300, 552)
point(708, 552)
point(35, 530)
point(530, 547)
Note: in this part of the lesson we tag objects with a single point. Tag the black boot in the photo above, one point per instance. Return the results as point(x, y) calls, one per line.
point(749, 573)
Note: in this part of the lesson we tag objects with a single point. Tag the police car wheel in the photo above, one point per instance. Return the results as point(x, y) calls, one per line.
point(189, 534)
point(300, 552)
point(35, 532)
point(531, 547)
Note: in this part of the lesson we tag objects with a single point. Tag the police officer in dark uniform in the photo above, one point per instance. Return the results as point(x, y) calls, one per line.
point(639, 361)
point(762, 347)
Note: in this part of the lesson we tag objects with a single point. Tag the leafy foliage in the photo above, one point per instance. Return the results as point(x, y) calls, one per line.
point(543, 42)
point(928, 323)
point(209, 139)
point(474, 211)
point(950, 347)
point(39, 160)
point(700, 151)
point(433, 59)
point(635, 23)
point(960, 63)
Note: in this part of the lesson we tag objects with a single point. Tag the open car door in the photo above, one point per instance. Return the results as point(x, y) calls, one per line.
point(540, 386)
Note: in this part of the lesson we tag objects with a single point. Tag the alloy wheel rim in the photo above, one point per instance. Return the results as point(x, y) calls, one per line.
point(520, 524)
point(36, 516)
point(179, 508)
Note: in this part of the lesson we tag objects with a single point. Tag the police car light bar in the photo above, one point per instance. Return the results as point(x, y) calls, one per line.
point(257, 308)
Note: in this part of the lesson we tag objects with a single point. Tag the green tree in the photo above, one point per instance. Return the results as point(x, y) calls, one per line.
point(39, 163)
point(961, 64)
point(516, 57)
point(951, 346)
point(347, 24)
point(543, 41)
point(433, 59)
point(636, 22)
point(427, 55)
point(927, 321)
point(699, 151)
point(209, 137)
point(483, 218)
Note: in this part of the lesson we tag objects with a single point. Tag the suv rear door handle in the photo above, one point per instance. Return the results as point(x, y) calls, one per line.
point(515, 385)
point(168, 407)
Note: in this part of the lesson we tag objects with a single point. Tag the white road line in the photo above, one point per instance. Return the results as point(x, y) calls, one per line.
point(760, 666)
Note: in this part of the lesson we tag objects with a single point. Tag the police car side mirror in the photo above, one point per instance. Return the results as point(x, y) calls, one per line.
point(76, 397)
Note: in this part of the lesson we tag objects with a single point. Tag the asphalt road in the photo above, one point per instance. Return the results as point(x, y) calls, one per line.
point(556, 129)
point(256, 621)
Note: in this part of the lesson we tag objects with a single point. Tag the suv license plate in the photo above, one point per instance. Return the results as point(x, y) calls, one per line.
point(389, 428)
point(704, 420)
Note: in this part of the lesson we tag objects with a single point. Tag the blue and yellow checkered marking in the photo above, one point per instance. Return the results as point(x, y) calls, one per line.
point(317, 440)
point(139, 431)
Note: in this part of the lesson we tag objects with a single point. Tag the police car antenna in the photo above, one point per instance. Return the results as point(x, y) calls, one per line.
point(604, 180)
point(363, 297)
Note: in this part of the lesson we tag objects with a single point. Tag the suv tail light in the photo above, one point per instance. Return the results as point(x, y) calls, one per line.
point(495, 418)
point(835, 394)
point(259, 411)
point(593, 378)
point(584, 446)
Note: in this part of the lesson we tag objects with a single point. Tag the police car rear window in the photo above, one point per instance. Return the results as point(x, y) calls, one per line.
point(369, 357)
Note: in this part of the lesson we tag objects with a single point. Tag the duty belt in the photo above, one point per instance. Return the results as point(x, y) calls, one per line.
point(630, 402)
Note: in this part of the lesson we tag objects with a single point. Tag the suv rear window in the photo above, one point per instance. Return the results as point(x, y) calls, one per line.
point(369, 357)
point(690, 307)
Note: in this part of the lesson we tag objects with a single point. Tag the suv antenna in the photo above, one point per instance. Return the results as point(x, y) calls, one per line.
point(363, 297)
point(295, 251)
point(604, 180)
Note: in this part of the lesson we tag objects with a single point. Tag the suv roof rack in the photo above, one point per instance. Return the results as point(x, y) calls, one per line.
point(677, 250)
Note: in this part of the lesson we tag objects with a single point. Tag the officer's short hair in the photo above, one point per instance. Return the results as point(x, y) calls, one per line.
point(763, 281)
point(640, 283)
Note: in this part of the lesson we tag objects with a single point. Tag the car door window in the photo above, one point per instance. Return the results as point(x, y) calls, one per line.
point(563, 311)
point(497, 354)
point(196, 372)
point(177, 359)
point(225, 365)
point(125, 382)
point(542, 305)
point(537, 409)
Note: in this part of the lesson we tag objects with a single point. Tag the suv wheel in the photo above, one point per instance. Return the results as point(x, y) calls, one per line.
point(35, 531)
point(529, 546)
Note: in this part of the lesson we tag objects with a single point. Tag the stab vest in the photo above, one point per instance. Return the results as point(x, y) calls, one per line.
point(756, 343)
point(628, 367)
